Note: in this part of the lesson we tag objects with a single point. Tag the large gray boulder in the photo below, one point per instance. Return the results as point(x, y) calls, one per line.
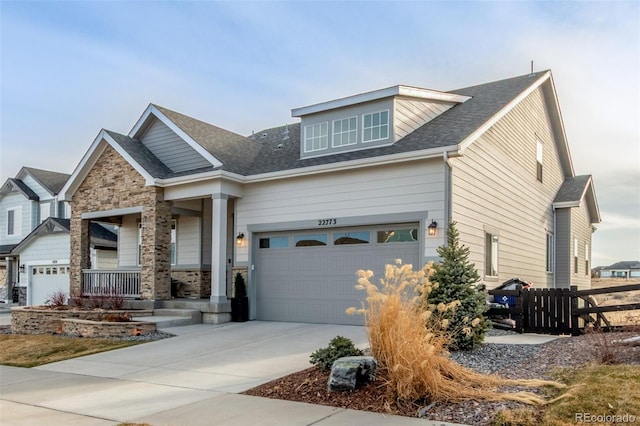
point(349, 371)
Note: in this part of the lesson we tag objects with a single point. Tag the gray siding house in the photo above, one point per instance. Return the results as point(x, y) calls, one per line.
point(25, 202)
point(354, 184)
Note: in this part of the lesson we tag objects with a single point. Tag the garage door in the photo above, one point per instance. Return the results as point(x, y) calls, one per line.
point(309, 276)
point(46, 280)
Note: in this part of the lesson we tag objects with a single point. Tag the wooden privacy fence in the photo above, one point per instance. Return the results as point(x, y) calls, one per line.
point(557, 310)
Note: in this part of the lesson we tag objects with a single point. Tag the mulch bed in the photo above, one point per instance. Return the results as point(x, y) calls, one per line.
point(310, 385)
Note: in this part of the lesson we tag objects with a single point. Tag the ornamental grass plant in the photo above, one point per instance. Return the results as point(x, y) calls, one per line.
point(410, 338)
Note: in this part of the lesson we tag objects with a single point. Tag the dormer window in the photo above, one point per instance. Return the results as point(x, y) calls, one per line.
point(345, 132)
point(316, 137)
point(375, 126)
point(369, 120)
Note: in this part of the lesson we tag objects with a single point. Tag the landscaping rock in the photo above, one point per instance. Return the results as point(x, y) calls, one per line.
point(349, 371)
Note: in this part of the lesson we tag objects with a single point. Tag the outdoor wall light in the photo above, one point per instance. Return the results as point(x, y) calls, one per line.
point(432, 227)
point(239, 238)
point(21, 269)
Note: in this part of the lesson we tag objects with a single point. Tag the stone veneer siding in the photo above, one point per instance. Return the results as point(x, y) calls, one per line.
point(112, 183)
point(192, 284)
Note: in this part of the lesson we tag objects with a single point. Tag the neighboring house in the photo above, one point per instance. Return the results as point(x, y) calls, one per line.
point(26, 201)
point(625, 269)
point(44, 258)
point(357, 183)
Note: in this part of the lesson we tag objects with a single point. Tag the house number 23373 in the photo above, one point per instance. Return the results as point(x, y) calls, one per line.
point(327, 222)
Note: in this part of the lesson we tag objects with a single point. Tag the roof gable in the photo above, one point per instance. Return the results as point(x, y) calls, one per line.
point(575, 190)
point(99, 235)
point(12, 185)
point(51, 181)
point(154, 112)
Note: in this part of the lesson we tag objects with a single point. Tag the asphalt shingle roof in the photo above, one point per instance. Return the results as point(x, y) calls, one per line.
point(625, 264)
point(53, 181)
point(141, 154)
point(99, 235)
point(271, 150)
point(572, 189)
point(28, 192)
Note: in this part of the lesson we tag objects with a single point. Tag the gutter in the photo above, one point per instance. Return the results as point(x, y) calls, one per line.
point(311, 170)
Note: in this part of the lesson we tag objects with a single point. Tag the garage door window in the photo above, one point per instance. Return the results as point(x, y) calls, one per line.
point(344, 238)
point(274, 242)
point(398, 236)
point(311, 240)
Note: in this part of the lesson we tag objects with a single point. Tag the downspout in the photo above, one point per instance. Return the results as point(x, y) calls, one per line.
point(448, 205)
point(555, 254)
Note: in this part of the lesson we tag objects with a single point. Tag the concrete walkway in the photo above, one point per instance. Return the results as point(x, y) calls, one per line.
point(191, 379)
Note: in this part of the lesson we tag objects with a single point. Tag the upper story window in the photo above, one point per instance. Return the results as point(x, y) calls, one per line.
point(575, 255)
point(13, 222)
point(375, 126)
point(586, 259)
point(539, 161)
point(45, 211)
point(345, 132)
point(316, 137)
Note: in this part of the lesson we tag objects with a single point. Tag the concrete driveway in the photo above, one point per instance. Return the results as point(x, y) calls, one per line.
point(191, 379)
point(230, 357)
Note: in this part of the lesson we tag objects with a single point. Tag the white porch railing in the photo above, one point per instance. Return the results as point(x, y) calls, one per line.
point(99, 282)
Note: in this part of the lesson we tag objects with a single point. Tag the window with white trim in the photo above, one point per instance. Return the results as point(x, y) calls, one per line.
point(345, 132)
point(316, 137)
point(14, 224)
point(586, 259)
point(539, 149)
point(375, 126)
point(575, 255)
point(45, 211)
point(491, 255)
point(549, 252)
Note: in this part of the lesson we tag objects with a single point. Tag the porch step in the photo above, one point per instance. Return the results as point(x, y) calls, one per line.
point(173, 317)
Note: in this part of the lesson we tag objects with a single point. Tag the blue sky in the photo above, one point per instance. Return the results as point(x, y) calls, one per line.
point(70, 68)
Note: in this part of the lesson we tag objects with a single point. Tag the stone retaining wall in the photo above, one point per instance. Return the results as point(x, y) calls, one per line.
point(28, 320)
point(104, 330)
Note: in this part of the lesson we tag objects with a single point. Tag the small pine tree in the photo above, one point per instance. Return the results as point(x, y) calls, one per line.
point(456, 279)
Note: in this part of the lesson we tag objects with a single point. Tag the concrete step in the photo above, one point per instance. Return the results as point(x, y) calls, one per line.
point(173, 317)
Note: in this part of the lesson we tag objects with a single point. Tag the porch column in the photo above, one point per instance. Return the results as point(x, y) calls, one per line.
point(219, 249)
point(80, 252)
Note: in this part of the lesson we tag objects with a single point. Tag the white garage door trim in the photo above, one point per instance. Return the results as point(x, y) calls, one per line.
point(312, 279)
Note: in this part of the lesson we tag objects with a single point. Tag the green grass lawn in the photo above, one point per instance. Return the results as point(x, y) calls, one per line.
point(21, 350)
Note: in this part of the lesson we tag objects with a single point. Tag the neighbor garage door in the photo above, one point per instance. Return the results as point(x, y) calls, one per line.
point(309, 276)
point(46, 280)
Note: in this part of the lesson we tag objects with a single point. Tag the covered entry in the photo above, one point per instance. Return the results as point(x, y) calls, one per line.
point(309, 276)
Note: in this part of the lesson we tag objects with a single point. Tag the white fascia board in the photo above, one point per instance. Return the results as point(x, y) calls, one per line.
point(566, 204)
point(493, 120)
point(83, 167)
point(355, 164)
point(400, 90)
point(152, 110)
point(199, 177)
point(451, 151)
point(563, 134)
point(89, 159)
